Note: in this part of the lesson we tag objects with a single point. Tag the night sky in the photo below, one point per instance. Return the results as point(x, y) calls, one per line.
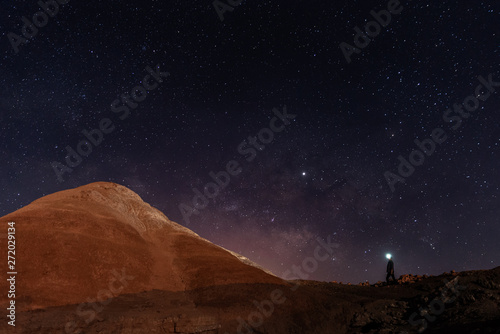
point(321, 172)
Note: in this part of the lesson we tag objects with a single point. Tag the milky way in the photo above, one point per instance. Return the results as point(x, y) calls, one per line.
point(189, 111)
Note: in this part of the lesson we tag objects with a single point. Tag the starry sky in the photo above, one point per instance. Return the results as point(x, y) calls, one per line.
point(322, 173)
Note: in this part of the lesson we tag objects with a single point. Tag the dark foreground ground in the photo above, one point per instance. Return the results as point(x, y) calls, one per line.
point(467, 302)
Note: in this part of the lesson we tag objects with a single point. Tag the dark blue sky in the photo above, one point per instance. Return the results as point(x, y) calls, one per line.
point(323, 174)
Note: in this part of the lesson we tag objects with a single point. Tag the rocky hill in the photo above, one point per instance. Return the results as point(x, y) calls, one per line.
point(73, 243)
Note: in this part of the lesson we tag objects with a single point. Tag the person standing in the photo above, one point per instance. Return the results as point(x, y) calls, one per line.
point(390, 269)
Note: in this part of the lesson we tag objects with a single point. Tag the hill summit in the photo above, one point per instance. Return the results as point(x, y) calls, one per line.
point(73, 243)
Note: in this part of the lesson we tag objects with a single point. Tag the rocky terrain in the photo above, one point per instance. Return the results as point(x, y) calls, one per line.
point(97, 259)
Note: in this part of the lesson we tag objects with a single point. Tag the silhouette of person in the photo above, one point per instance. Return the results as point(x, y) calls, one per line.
point(390, 270)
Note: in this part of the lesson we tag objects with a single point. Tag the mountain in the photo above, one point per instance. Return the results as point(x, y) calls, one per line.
point(72, 243)
point(97, 259)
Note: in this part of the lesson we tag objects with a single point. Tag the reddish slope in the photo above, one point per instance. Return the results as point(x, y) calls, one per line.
point(69, 243)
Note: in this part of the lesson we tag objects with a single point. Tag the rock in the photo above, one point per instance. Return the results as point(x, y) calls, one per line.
point(192, 325)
